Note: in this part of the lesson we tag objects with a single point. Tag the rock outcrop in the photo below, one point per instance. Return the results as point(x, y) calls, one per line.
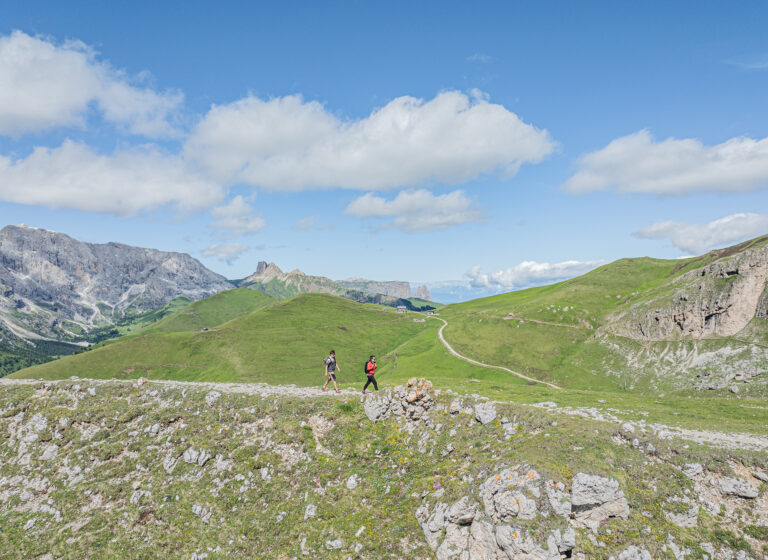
point(720, 299)
point(411, 401)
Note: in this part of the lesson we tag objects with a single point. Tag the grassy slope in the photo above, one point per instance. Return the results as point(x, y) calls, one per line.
point(213, 311)
point(547, 350)
point(283, 343)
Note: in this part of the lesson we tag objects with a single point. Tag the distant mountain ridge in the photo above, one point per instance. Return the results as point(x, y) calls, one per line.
point(54, 287)
point(270, 279)
point(392, 288)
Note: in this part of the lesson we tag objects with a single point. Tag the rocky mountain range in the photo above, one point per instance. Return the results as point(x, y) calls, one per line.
point(393, 288)
point(270, 279)
point(55, 287)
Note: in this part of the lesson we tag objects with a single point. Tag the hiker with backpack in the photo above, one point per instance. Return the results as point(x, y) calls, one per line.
point(330, 371)
point(370, 371)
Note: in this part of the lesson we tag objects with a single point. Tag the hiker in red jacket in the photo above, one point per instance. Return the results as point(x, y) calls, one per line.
point(370, 370)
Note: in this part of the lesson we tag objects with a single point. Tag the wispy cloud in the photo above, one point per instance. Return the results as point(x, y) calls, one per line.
point(312, 222)
point(637, 163)
point(418, 210)
point(235, 217)
point(478, 57)
point(695, 239)
point(529, 273)
point(759, 62)
point(225, 252)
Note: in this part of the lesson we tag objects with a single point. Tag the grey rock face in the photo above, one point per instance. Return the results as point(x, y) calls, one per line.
point(454, 544)
point(596, 498)
point(634, 553)
point(485, 413)
point(49, 273)
point(462, 512)
point(734, 487)
point(482, 542)
point(685, 519)
point(702, 303)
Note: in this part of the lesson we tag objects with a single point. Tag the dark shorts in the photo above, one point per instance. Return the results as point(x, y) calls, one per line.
point(332, 375)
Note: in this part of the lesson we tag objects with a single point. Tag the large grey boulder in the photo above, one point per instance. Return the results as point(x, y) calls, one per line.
point(512, 493)
point(377, 407)
point(735, 487)
point(485, 413)
point(595, 499)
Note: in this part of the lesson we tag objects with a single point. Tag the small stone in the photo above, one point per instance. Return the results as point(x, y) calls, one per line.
point(50, 452)
point(759, 475)
point(92, 391)
point(734, 388)
point(627, 428)
point(692, 470)
point(310, 511)
point(334, 544)
point(212, 397)
point(352, 482)
point(29, 524)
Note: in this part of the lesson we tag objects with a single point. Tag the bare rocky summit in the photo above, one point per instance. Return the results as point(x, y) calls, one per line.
point(53, 286)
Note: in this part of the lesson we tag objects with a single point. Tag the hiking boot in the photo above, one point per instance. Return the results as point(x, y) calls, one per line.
point(338, 391)
point(325, 390)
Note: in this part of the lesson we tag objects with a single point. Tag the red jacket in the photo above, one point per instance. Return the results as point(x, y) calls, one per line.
point(370, 368)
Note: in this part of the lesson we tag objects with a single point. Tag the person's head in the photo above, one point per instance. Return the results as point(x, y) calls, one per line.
point(372, 359)
point(333, 352)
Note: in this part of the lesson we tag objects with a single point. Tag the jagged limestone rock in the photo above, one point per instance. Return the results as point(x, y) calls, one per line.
point(734, 487)
point(485, 413)
point(596, 498)
point(462, 512)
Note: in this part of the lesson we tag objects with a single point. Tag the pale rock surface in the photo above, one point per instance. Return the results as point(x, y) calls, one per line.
point(735, 487)
point(596, 498)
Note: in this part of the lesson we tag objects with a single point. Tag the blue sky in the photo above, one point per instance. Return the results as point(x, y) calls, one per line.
point(476, 147)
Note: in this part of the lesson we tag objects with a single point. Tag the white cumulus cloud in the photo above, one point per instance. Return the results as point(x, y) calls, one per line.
point(637, 163)
point(45, 85)
point(418, 210)
point(529, 273)
point(696, 239)
point(124, 182)
point(291, 144)
point(235, 216)
point(225, 252)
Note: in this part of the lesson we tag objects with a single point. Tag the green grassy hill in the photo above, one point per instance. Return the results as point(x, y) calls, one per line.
point(282, 342)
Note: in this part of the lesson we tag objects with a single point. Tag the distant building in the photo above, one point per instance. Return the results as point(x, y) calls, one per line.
point(430, 312)
point(402, 309)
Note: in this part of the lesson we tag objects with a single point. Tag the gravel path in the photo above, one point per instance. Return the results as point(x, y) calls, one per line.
point(481, 364)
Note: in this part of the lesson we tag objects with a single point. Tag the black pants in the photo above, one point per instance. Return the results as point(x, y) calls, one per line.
point(371, 379)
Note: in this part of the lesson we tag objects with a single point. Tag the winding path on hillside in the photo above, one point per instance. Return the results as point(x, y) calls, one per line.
point(481, 364)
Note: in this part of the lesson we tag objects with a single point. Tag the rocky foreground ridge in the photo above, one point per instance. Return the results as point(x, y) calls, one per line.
point(192, 471)
point(53, 286)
